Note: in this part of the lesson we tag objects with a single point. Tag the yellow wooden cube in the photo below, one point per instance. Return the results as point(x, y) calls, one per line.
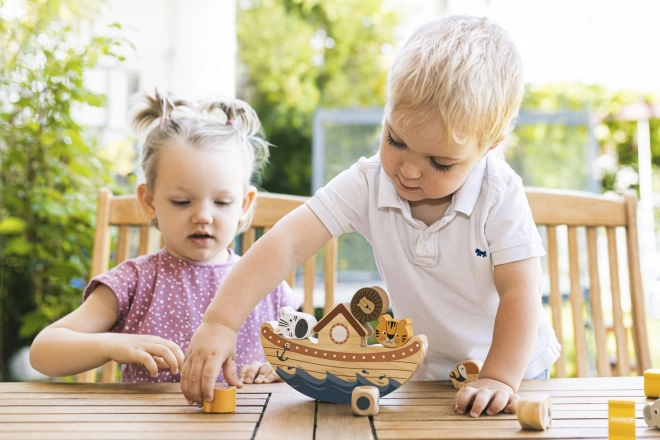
point(652, 383)
point(621, 419)
point(224, 400)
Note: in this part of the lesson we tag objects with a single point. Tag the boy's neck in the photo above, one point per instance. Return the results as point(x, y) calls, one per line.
point(430, 211)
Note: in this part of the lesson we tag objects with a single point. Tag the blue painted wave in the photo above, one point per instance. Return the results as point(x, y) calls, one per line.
point(332, 389)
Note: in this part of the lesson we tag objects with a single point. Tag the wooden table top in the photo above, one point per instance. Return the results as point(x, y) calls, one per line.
point(418, 410)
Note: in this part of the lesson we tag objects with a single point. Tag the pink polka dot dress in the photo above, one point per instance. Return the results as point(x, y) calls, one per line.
point(164, 296)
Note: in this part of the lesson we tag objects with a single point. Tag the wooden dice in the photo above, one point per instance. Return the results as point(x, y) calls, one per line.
point(364, 401)
point(535, 412)
point(224, 400)
point(652, 383)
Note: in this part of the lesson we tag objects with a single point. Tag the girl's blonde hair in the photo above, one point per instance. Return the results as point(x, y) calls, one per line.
point(209, 125)
point(463, 71)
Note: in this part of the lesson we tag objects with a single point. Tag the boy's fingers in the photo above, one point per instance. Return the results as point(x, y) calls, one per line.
point(210, 374)
point(195, 382)
point(229, 371)
point(481, 401)
point(464, 397)
point(185, 373)
point(499, 401)
point(512, 406)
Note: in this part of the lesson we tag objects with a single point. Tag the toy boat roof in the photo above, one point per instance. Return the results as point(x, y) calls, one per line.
point(343, 310)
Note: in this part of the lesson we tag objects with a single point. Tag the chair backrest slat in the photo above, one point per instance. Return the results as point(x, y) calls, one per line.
point(124, 213)
point(555, 299)
point(577, 304)
point(602, 362)
point(577, 211)
point(623, 366)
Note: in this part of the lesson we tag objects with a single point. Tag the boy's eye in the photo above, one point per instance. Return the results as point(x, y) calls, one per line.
point(394, 143)
point(223, 203)
point(180, 202)
point(439, 166)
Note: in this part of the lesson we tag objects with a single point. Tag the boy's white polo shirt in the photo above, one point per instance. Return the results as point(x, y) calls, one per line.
point(441, 275)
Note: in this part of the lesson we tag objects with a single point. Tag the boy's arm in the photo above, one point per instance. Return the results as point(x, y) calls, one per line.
point(514, 336)
point(80, 341)
point(289, 243)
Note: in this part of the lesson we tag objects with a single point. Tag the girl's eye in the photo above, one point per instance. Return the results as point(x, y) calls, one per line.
point(222, 203)
point(394, 143)
point(439, 166)
point(180, 202)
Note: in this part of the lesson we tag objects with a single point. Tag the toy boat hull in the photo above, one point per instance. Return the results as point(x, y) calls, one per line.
point(325, 373)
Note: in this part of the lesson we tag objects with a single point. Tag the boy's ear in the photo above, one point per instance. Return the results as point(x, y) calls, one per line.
point(248, 199)
point(146, 199)
point(495, 144)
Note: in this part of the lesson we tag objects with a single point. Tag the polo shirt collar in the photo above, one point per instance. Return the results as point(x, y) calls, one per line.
point(464, 200)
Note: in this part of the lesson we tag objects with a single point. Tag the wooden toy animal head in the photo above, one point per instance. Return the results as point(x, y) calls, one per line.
point(465, 372)
point(652, 414)
point(393, 333)
point(369, 303)
point(295, 325)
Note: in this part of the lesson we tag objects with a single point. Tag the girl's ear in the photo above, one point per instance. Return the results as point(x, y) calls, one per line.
point(249, 198)
point(146, 199)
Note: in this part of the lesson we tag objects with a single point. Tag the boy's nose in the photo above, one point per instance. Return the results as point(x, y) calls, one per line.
point(410, 171)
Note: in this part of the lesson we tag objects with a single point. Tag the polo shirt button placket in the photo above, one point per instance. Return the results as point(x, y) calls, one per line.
point(426, 250)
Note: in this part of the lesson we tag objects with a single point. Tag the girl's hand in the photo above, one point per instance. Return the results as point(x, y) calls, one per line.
point(486, 393)
point(151, 351)
point(258, 373)
point(212, 348)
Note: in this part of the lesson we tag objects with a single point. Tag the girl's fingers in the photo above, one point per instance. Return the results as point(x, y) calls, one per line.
point(241, 375)
point(195, 383)
point(252, 372)
point(176, 351)
point(164, 352)
point(160, 362)
point(185, 374)
point(260, 378)
point(272, 377)
point(148, 361)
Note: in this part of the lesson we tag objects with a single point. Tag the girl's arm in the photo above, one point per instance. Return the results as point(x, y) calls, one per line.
point(292, 240)
point(516, 329)
point(80, 341)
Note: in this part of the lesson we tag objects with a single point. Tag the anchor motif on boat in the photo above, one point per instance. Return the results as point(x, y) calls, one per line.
point(329, 367)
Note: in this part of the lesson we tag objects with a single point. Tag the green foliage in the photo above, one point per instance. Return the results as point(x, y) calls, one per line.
point(303, 54)
point(50, 174)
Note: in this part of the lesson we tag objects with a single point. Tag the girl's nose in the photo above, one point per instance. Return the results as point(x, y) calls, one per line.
point(409, 171)
point(202, 215)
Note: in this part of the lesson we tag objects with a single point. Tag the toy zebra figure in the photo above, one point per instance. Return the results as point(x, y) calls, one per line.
point(295, 325)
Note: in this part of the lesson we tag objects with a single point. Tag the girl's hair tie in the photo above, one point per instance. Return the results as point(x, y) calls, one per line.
point(230, 122)
point(164, 118)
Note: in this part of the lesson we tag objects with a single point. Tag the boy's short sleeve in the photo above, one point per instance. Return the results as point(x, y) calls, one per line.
point(510, 229)
point(342, 204)
point(122, 280)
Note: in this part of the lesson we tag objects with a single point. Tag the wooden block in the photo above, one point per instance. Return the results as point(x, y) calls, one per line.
point(652, 414)
point(621, 419)
point(365, 401)
point(652, 383)
point(369, 303)
point(393, 333)
point(465, 372)
point(294, 324)
point(224, 400)
point(535, 412)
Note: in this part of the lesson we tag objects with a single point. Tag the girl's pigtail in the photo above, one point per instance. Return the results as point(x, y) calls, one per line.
point(145, 109)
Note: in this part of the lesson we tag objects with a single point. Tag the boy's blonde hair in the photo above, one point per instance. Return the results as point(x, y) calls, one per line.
point(464, 71)
point(210, 125)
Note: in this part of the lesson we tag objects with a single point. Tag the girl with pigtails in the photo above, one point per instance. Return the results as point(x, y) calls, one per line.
point(199, 162)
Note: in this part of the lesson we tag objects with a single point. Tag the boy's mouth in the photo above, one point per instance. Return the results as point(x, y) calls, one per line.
point(407, 188)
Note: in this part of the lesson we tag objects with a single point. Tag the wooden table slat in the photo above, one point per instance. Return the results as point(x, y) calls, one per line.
point(328, 428)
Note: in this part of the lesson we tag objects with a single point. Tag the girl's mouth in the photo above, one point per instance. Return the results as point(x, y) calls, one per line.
point(201, 239)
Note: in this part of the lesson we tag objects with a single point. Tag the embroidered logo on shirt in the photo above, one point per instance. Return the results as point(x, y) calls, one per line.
point(481, 253)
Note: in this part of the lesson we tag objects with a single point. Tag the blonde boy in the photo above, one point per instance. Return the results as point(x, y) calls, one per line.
point(450, 226)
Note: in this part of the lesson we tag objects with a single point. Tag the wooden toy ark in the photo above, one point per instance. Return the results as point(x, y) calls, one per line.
point(329, 367)
point(465, 372)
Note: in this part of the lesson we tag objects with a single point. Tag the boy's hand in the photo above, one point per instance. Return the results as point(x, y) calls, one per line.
point(258, 373)
point(151, 351)
point(486, 393)
point(212, 348)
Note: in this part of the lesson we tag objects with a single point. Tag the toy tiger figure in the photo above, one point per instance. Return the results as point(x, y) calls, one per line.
point(393, 333)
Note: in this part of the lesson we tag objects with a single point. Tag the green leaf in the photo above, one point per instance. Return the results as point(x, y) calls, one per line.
point(32, 324)
point(12, 225)
point(79, 169)
point(17, 246)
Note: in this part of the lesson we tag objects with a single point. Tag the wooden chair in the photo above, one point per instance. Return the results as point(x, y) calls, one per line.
point(551, 209)
point(124, 213)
